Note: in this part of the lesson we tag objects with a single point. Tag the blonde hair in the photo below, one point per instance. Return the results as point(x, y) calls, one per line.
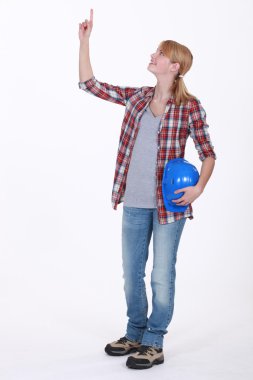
point(178, 53)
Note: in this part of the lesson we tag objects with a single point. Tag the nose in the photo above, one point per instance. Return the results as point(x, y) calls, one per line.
point(153, 55)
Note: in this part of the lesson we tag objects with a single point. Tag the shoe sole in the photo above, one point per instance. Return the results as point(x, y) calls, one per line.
point(132, 364)
point(110, 351)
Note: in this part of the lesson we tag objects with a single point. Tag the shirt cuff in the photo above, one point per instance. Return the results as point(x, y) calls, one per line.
point(87, 84)
point(203, 157)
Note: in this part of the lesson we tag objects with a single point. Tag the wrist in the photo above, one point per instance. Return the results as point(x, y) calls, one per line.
point(199, 187)
point(84, 41)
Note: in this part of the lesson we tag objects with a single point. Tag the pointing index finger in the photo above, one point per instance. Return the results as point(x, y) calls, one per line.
point(91, 14)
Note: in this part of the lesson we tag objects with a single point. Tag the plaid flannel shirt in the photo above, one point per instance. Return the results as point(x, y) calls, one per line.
point(177, 123)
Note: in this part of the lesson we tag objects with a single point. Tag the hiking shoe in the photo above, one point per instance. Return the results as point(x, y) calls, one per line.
point(145, 357)
point(122, 346)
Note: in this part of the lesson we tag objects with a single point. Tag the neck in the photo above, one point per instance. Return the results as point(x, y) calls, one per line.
point(163, 90)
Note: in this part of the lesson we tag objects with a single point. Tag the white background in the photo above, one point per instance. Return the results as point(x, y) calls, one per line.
point(61, 284)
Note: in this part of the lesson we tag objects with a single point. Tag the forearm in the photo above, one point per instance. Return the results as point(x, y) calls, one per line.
point(205, 173)
point(85, 69)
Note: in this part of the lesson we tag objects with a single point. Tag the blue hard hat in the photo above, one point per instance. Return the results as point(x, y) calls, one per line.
point(178, 173)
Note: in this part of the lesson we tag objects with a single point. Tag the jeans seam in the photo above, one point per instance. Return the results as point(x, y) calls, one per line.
point(142, 290)
point(173, 269)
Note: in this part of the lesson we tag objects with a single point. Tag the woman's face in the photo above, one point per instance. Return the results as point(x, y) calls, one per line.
point(159, 63)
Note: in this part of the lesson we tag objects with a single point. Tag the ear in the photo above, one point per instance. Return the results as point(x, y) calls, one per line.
point(176, 66)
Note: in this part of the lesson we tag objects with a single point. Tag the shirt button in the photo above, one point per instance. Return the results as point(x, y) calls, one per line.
point(158, 148)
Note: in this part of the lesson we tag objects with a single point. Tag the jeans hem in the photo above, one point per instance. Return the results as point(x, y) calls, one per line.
point(132, 339)
point(155, 345)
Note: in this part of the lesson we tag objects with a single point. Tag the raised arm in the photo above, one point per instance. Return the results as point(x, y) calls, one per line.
point(85, 69)
point(87, 80)
point(106, 91)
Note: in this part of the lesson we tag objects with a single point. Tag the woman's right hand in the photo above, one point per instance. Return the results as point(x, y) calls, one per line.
point(85, 28)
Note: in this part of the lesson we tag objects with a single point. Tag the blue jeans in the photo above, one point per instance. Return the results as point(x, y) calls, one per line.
point(137, 227)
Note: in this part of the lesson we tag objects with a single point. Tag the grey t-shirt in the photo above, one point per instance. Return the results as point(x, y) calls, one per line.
point(141, 177)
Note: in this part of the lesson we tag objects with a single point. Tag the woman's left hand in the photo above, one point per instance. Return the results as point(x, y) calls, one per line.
point(190, 194)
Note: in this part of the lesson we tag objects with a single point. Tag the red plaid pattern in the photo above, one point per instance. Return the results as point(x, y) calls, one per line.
point(177, 123)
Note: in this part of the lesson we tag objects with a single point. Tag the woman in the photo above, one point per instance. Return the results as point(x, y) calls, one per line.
point(156, 125)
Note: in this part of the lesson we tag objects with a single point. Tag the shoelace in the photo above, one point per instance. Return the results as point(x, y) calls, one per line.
point(143, 350)
point(122, 340)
